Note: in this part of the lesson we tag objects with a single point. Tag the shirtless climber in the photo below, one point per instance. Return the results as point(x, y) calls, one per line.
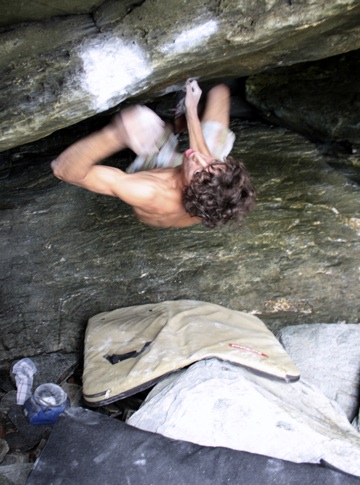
point(168, 189)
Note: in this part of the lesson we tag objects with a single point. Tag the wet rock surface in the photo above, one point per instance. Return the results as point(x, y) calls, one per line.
point(68, 254)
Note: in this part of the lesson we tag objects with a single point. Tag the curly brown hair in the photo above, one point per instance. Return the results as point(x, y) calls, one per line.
point(221, 194)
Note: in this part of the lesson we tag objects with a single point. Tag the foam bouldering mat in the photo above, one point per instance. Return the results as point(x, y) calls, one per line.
point(129, 349)
point(86, 447)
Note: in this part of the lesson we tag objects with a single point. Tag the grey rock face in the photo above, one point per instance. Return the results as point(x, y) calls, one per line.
point(321, 100)
point(328, 356)
point(63, 70)
point(21, 11)
point(68, 254)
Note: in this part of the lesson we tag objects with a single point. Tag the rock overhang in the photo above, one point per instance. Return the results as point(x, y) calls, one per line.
point(65, 69)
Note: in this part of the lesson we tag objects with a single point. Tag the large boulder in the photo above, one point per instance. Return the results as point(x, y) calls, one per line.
point(328, 355)
point(63, 70)
point(215, 403)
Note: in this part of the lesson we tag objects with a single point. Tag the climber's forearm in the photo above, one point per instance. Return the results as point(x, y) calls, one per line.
point(73, 164)
point(196, 137)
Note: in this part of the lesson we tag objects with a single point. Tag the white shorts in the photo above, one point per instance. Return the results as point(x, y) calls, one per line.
point(218, 137)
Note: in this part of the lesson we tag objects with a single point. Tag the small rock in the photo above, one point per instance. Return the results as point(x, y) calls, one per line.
point(35, 455)
point(3, 419)
point(15, 458)
point(55, 367)
point(6, 383)
point(4, 448)
point(7, 401)
point(6, 426)
point(28, 436)
point(15, 474)
point(5, 481)
point(74, 393)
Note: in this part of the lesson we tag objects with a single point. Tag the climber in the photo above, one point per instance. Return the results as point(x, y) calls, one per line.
point(166, 188)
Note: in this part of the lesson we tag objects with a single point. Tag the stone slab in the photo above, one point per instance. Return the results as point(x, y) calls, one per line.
point(328, 356)
point(86, 447)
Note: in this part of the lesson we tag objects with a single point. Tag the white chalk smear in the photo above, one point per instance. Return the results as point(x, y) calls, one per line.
point(189, 39)
point(140, 462)
point(110, 68)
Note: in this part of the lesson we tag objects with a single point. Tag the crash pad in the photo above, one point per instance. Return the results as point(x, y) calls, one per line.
point(129, 349)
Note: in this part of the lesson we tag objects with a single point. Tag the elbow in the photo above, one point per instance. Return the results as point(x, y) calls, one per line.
point(55, 166)
point(61, 173)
